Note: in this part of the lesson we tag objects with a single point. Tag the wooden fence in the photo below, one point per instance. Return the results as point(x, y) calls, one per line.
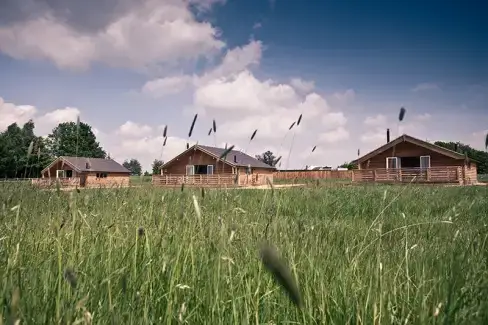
point(195, 180)
point(63, 182)
point(406, 175)
point(312, 174)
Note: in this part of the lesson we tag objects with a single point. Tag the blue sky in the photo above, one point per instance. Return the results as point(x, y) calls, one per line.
point(347, 66)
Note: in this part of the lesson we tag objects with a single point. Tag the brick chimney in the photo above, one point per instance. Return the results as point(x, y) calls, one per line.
point(387, 135)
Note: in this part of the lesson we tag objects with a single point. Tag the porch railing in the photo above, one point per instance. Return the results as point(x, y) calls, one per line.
point(448, 174)
point(63, 181)
point(198, 180)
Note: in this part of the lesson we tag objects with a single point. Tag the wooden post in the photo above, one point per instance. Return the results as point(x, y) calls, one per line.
point(374, 175)
point(459, 175)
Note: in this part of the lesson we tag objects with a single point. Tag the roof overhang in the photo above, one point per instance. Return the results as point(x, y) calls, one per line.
point(410, 139)
point(64, 161)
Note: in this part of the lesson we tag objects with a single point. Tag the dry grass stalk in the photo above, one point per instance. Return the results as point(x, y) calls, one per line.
point(281, 272)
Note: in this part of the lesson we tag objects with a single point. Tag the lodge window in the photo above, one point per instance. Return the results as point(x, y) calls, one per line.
point(424, 162)
point(102, 175)
point(391, 162)
point(199, 169)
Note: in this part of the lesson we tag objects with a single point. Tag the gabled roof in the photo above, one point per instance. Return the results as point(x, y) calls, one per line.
point(241, 159)
point(410, 139)
point(79, 164)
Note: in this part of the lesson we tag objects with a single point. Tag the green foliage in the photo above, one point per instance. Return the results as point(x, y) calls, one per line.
point(156, 166)
point(72, 139)
point(22, 153)
point(268, 158)
point(134, 166)
point(360, 255)
point(348, 165)
point(478, 155)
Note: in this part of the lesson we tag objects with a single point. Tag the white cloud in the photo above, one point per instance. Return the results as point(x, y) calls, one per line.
point(425, 86)
point(374, 137)
point(131, 129)
point(12, 113)
point(167, 86)
point(44, 124)
point(345, 97)
point(376, 121)
point(423, 117)
point(153, 32)
point(302, 85)
point(234, 61)
point(335, 119)
point(334, 136)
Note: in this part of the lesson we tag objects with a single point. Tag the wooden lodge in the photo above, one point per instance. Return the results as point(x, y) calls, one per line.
point(407, 159)
point(83, 172)
point(201, 166)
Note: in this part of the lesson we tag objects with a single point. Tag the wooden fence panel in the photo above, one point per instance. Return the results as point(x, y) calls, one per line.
point(448, 174)
point(194, 180)
point(313, 174)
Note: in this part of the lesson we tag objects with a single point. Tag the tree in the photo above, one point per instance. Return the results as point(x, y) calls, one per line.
point(480, 156)
point(348, 165)
point(22, 153)
point(134, 166)
point(268, 158)
point(72, 139)
point(156, 166)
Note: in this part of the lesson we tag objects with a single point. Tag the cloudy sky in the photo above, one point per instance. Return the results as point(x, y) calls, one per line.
point(130, 67)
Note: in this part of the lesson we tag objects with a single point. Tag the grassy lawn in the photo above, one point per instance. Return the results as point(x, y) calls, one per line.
point(361, 255)
point(140, 180)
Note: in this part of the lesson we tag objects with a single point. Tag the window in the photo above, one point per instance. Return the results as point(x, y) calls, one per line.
point(424, 162)
point(210, 169)
point(391, 162)
point(69, 173)
point(60, 173)
point(190, 170)
point(102, 175)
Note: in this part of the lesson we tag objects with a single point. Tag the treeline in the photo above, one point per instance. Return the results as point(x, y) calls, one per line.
point(480, 156)
point(24, 154)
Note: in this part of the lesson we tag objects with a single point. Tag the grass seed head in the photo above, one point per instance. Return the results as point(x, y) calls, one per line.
point(210, 131)
point(164, 142)
point(70, 277)
point(315, 147)
point(254, 134)
point(486, 141)
point(402, 114)
point(192, 125)
point(165, 131)
point(299, 120)
point(226, 152)
point(292, 125)
point(214, 126)
point(281, 272)
point(140, 231)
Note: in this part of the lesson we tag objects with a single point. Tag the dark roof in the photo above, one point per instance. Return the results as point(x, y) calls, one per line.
point(95, 164)
point(241, 159)
point(418, 142)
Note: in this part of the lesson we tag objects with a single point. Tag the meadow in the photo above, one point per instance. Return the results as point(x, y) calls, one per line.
point(361, 255)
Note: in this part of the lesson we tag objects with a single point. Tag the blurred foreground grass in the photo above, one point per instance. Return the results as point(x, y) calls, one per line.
point(362, 255)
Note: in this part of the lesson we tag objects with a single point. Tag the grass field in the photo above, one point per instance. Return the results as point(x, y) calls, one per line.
point(361, 255)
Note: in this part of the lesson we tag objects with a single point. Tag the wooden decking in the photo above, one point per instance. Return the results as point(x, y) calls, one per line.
point(195, 180)
point(447, 175)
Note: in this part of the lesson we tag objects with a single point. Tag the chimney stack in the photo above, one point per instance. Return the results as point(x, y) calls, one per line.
point(387, 135)
point(87, 165)
point(235, 159)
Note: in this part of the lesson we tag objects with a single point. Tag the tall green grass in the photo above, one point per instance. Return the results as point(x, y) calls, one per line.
point(361, 255)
